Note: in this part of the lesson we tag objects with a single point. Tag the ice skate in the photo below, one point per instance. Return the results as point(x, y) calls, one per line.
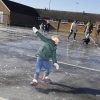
point(34, 83)
point(46, 80)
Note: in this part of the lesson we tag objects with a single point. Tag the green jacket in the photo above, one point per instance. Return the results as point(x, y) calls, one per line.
point(47, 51)
point(89, 27)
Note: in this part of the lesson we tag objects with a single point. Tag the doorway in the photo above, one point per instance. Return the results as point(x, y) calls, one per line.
point(1, 17)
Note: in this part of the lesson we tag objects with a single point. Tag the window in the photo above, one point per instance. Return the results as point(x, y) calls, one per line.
point(80, 23)
point(64, 21)
point(52, 19)
point(1, 17)
point(40, 18)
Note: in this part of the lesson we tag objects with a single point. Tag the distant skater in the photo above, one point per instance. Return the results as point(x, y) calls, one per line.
point(73, 29)
point(88, 30)
point(41, 27)
point(98, 30)
point(47, 26)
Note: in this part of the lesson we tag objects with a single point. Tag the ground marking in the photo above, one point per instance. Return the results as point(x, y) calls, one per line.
point(79, 66)
point(95, 43)
point(74, 65)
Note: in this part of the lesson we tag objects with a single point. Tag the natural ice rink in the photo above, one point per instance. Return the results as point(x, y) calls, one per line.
point(77, 79)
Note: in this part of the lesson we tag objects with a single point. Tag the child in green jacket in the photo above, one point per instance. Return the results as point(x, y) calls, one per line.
point(46, 52)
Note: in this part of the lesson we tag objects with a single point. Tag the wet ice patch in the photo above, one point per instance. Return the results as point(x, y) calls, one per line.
point(98, 95)
point(56, 98)
point(66, 72)
point(3, 98)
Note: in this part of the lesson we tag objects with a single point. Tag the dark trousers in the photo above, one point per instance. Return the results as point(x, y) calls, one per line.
point(71, 34)
point(86, 40)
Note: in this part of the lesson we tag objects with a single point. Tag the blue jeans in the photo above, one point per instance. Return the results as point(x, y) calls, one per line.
point(87, 34)
point(42, 63)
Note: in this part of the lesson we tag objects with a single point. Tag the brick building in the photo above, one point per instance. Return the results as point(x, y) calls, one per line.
point(61, 20)
point(12, 13)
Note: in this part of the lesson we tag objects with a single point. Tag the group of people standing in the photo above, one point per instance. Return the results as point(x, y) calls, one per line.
point(44, 27)
point(88, 30)
point(73, 30)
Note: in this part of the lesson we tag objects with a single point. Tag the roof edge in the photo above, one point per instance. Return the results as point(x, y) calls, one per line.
point(5, 5)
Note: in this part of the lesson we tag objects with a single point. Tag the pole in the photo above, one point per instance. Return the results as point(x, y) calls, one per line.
point(49, 4)
point(76, 5)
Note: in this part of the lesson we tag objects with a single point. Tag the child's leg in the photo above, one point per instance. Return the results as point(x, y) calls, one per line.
point(47, 66)
point(39, 65)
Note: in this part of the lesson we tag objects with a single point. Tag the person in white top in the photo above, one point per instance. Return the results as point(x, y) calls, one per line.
point(73, 29)
point(41, 27)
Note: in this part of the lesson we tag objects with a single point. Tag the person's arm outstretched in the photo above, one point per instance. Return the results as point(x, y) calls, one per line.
point(43, 38)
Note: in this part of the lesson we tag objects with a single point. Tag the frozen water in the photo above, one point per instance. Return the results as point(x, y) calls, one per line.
point(77, 79)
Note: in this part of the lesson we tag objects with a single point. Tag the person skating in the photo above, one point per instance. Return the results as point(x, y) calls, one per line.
point(41, 27)
point(88, 30)
point(73, 29)
point(98, 30)
point(46, 52)
point(47, 26)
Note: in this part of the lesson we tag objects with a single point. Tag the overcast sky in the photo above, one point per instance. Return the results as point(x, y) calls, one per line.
point(89, 6)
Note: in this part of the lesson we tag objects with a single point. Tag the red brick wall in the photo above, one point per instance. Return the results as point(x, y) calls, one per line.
point(53, 25)
point(66, 27)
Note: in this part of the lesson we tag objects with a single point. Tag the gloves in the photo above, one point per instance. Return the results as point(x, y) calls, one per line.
point(56, 65)
point(35, 30)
